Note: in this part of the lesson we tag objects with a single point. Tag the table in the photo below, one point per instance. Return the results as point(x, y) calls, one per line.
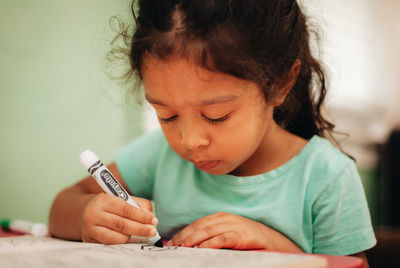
point(332, 261)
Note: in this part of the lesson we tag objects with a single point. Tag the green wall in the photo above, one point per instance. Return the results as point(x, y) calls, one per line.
point(56, 99)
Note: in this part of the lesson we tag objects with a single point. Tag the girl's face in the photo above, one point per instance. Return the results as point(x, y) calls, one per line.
point(216, 121)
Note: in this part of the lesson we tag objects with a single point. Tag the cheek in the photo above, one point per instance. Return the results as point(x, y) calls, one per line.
point(173, 138)
point(236, 144)
point(241, 142)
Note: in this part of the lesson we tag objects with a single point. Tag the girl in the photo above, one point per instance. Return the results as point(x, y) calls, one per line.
point(241, 161)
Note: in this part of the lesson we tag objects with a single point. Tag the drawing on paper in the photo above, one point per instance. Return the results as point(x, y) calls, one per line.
point(153, 248)
point(29, 251)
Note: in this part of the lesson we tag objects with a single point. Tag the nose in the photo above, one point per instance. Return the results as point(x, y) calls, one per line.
point(193, 137)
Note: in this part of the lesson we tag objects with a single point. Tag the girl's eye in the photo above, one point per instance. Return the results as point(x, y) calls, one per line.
point(216, 120)
point(210, 120)
point(169, 119)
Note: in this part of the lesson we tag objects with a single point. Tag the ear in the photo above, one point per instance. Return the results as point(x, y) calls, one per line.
point(287, 83)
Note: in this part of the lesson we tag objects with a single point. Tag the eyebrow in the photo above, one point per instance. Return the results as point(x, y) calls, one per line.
point(210, 101)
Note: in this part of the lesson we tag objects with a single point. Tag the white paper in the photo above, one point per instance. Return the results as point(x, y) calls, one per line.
point(29, 251)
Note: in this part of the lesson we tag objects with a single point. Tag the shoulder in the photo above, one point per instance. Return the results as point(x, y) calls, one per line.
point(337, 202)
point(149, 150)
point(138, 162)
point(327, 167)
point(142, 152)
point(324, 160)
point(324, 155)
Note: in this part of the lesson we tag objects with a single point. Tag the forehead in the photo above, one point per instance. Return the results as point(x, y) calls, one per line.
point(175, 79)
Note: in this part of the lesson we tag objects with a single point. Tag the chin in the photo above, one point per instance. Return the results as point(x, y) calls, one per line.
point(221, 172)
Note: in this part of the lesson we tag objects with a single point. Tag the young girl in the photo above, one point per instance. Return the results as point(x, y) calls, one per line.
point(241, 161)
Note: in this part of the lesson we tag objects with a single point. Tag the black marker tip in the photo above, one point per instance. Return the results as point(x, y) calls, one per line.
point(159, 243)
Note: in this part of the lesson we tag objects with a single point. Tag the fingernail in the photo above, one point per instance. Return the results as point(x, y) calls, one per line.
point(180, 245)
point(196, 246)
point(154, 221)
point(169, 243)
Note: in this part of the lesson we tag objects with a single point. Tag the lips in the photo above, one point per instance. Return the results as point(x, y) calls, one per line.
point(206, 165)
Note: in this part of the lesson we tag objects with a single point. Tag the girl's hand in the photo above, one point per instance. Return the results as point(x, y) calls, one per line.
point(225, 230)
point(110, 220)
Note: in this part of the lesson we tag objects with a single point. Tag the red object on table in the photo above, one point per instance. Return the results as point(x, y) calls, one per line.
point(4, 233)
point(343, 261)
point(334, 261)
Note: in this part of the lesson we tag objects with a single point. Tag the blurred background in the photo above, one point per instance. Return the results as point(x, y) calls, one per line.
point(58, 99)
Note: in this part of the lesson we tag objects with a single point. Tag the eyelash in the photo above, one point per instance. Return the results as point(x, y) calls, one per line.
point(217, 120)
point(210, 120)
point(169, 119)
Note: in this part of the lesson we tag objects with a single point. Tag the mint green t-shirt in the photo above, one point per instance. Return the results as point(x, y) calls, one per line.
point(316, 199)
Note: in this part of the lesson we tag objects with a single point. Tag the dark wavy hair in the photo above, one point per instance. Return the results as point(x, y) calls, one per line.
point(256, 40)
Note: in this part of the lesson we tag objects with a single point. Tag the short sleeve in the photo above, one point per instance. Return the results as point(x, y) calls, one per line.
point(137, 163)
point(341, 220)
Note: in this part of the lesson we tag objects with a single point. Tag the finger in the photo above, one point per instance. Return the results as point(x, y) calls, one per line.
point(190, 230)
point(224, 240)
point(107, 236)
point(126, 226)
point(202, 230)
point(119, 207)
point(206, 232)
point(143, 203)
point(88, 239)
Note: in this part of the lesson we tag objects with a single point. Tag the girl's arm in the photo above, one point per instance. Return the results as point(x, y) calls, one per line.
point(84, 212)
point(226, 230)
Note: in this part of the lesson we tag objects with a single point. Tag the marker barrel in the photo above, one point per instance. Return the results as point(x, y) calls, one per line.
point(108, 182)
point(26, 227)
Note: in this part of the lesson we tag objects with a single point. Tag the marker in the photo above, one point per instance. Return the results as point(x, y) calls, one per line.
point(26, 227)
point(109, 184)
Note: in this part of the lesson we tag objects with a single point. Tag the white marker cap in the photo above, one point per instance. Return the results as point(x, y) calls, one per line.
point(39, 229)
point(88, 158)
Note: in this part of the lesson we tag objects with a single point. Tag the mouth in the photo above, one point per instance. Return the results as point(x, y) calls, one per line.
point(206, 165)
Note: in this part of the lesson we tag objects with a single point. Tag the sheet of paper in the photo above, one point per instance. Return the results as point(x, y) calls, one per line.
point(29, 251)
